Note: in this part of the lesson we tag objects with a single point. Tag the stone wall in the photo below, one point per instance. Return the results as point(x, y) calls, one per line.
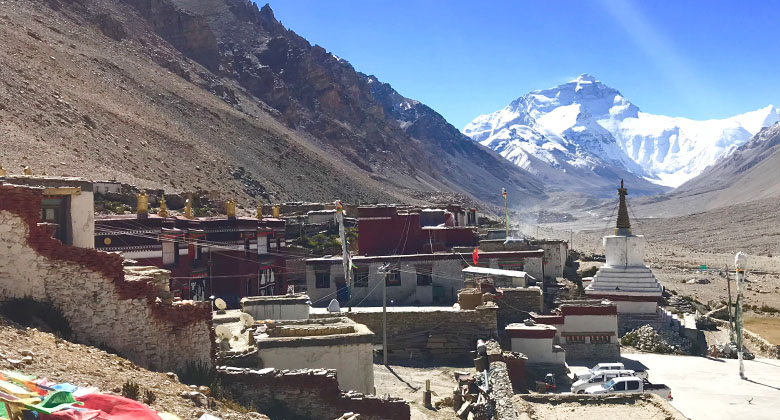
point(603, 352)
point(130, 314)
point(305, 394)
point(443, 335)
point(516, 302)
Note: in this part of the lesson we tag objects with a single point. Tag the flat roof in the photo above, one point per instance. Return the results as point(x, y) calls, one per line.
point(494, 272)
point(435, 256)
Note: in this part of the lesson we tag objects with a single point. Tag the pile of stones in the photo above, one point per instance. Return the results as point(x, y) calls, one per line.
point(647, 339)
point(729, 351)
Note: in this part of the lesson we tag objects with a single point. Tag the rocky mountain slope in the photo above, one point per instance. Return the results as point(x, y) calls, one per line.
point(751, 172)
point(584, 133)
point(218, 95)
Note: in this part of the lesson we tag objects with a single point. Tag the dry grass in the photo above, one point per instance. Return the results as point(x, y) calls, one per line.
point(767, 327)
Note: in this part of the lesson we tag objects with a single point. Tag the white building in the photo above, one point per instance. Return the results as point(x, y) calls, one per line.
point(537, 343)
point(415, 279)
point(624, 278)
point(68, 203)
point(586, 330)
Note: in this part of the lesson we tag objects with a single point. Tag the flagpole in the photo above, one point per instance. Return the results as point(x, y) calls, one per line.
point(506, 212)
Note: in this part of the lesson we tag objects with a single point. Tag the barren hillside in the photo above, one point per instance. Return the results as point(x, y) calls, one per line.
point(148, 93)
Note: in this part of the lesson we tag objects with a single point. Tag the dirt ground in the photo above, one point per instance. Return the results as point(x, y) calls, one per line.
point(577, 408)
point(409, 384)
point(63, 361)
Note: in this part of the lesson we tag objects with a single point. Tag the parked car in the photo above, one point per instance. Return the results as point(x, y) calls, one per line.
point(598, 368)
point(600, 377)
point(628, 385)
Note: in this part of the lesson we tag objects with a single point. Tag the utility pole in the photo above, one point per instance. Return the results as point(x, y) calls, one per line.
point(344, 250)
point(740, 261)
point(732, 338)
point(506, 212)
point(383, 270)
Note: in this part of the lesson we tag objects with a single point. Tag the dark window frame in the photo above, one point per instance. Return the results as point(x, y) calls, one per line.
point(322, 277)
point(424, 275)
point(361, 277)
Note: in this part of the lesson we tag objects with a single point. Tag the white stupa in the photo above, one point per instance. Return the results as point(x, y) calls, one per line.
point(624, 278)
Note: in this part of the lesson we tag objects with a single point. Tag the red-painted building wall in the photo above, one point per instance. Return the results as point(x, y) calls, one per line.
point(226, 258)
point(383, 231)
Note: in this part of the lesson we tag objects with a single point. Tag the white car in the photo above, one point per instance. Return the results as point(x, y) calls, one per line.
point(628, 385)
point(599, 368)
point(579, 386)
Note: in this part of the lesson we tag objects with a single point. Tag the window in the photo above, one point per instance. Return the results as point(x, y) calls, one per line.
point(632, 385)
point(600, 339)
point(322, 277)
point(424, 275)
point(170, 251)
point(361, 277)
point(247, 247)
point(620, 386)
point(262, 245)
point(393, 278)
point(575, 339)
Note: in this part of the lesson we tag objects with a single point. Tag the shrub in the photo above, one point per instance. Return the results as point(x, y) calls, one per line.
point(197, 373)
point(131, 390)
point(149, 397)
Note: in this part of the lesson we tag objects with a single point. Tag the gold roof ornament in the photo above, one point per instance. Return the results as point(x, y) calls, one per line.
point(230, 208)
point(2, 171)
point(27, 171)
point(276, 212)
point(188, 209)
point(259, 214)
point(163, 207)
point(142, 208)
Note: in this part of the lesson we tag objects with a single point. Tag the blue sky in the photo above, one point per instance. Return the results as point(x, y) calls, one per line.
point(695, 59)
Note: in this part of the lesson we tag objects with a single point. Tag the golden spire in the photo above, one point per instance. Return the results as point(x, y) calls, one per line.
point(230, 208)
point(259, 214)
point(2, 171)
point(27, 171)
point(188, 209)
point(143, 204)
point(163, 207)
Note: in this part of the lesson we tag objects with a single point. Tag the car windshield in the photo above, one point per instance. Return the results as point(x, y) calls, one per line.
point(608, 384)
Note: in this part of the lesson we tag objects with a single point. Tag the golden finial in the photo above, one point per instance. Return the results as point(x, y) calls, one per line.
point(259, 214)
point(2, 171)
point(188, 209)
point(275, 212)
point(143, 204)
point(27, 171)
point(230, 208)
point(163, 207)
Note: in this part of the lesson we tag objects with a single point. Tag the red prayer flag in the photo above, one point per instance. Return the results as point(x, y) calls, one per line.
point(475, 256)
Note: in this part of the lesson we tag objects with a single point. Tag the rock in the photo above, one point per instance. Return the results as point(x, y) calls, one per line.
point(172, 376)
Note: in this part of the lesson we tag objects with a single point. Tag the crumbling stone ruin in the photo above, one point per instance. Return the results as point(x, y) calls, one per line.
point(646, 338)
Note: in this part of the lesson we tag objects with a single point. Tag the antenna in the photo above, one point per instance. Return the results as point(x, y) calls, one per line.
point(220, 304)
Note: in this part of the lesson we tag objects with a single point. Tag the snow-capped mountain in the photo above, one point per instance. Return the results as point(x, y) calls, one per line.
point(590, 128)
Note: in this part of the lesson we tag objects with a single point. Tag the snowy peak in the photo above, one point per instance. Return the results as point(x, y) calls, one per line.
point(589, 125)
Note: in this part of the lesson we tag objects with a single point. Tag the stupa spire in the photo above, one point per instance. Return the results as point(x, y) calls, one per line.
point(623, 227)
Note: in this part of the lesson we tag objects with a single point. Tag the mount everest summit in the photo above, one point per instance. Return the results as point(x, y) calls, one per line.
point(583, 135)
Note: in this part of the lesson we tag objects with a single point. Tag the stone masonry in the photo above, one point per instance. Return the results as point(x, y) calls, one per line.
point(305, 394)
point(429, 333)
point(130, 314)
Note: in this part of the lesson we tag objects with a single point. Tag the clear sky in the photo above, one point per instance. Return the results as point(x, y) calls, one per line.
point(697, 59)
